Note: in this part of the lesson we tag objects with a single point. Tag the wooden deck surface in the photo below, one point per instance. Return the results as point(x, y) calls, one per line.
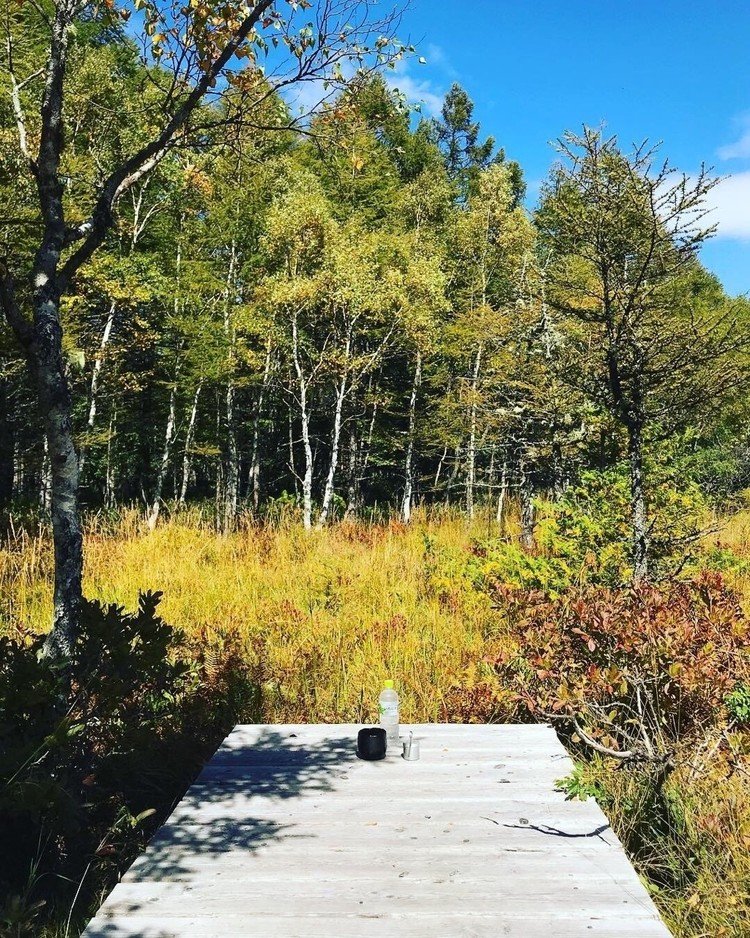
point(286, 834)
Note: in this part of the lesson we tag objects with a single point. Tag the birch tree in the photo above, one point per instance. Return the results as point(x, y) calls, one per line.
point(201, 53)
point(299, 229)
point(492, 244)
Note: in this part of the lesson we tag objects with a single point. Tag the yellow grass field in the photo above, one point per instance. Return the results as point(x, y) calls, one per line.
point(325, 616)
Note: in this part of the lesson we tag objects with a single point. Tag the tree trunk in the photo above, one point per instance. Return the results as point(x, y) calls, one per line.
point(161, 475)
point(307, 478)
point(639, 521)
point(409, 464)
point(7, 447)
point(503, 491)
point(109, 474)
point(471, 452)
point(255, 455)
point(453, 474)
point(231, 490)
point(439, 469)
point(527, 507)
point(292, 461)
point(365, 461)
point(45, 488)
point(352, 488)
point(189, 437)
point(305, 418)
point(328, 491)
point(55, 402)
point(558, 468)
point(95, 375)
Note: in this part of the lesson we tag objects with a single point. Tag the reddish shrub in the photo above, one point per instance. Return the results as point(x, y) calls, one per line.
point(635, 669)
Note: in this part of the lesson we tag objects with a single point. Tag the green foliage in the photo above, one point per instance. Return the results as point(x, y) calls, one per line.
point(580, 785)
point(589, 527)
point(738, 704)
point(92, 756)
point(507, 565)
point(584, 536)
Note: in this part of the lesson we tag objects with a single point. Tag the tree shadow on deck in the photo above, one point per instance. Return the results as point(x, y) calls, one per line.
point(219, 812)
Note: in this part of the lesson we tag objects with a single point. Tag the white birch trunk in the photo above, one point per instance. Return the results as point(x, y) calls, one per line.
point(305, 419)
point(409, 464)
point(501, 496)
point(351, 498)
point(95, 376)
point(231, 491)
point(109, 474)
point(255, 456)
point(439, 469)
point(161, 475)
point(471, 452)
point(292, 461)
point(335, 439)
point(189, 437)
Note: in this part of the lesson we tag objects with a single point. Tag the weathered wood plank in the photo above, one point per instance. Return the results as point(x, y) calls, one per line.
point(286, 833)
point(539, 923)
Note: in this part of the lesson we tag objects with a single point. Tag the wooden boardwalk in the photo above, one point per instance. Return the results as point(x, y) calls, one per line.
point(286, 834)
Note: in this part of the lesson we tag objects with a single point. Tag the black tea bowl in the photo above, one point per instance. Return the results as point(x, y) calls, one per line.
point(371, 743)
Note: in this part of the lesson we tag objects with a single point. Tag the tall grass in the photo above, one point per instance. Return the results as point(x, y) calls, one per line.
point(320, 617)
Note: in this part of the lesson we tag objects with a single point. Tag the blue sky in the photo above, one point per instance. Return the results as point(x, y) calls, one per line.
point(676, 72)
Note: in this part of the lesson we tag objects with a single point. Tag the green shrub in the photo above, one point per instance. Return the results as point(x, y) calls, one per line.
point(93, 756)
point(585, 538)
point(738, 704)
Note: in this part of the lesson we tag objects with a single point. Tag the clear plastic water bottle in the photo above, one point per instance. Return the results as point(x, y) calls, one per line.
point(388, 708)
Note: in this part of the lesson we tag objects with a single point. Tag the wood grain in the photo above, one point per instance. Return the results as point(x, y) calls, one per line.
point(286, 834)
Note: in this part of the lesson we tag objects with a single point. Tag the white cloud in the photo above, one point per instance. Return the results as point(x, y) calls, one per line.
point(730, 204)
point(436, 56)
point(416, 83)
point(305, 97)
point(418, 91)
point(740, 149)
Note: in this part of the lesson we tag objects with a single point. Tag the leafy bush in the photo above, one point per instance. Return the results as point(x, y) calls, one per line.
point(502, 563)
point(738, 704)
point(634, 670)
point(94, 755)
point(584, 537)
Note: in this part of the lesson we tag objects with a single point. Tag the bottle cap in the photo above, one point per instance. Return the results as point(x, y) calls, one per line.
point(388, 685)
